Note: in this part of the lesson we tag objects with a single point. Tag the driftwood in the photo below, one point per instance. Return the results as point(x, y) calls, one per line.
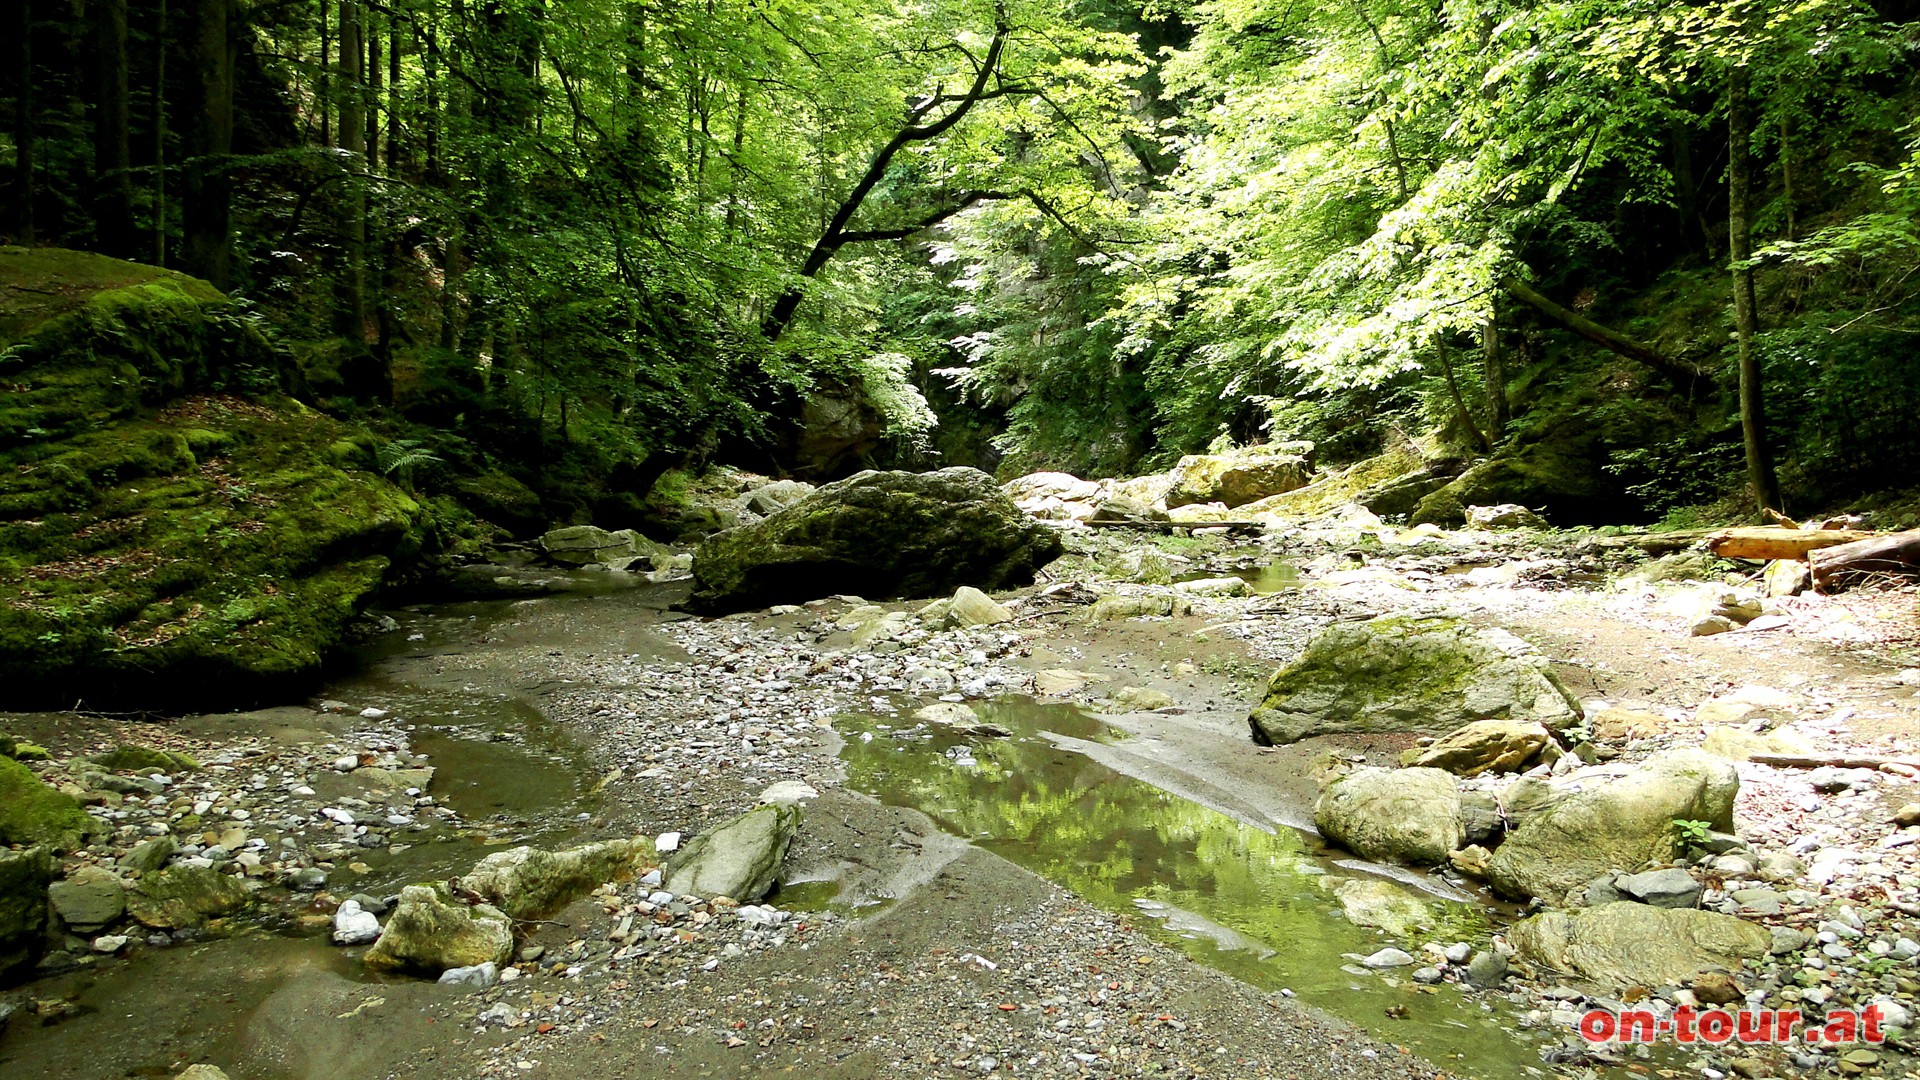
point(1769, 542)
point(1653, 543)
point(1176, 526)
point(1835, 568)
point(1796, 761)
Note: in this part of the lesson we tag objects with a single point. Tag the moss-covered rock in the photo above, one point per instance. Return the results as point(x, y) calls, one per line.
point(1393, 815)
point(24, 877)
point(1241, 476)
point(1623, 945)
point(33, 813)
point(145, 759)
point(183, 896)
point(530, 883)
point(430, 932)
point(1400, 673)
point(876, 534)
point(170, 523)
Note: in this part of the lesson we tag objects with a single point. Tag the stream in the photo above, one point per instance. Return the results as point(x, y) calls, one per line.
point(1224, 886)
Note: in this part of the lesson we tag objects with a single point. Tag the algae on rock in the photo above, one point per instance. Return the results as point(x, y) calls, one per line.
point(33, 813)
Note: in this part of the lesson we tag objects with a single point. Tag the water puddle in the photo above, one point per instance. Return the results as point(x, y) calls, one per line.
point(1254, 902)
point(1265, 578)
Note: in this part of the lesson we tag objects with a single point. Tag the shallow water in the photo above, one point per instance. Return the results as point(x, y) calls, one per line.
point(1233, 894)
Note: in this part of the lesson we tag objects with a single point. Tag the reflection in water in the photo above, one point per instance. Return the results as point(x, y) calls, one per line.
point(1233, 895)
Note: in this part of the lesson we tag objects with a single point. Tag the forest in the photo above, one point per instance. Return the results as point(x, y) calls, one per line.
point(1659, 256)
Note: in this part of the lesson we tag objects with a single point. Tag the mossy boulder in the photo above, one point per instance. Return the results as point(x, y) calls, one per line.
point(529, 883)
point(429, 932)
point(24, 878)
point(1559, 468)
point(184, 896)
point(145, 759)
point(1398, 673)
point(170, 522)
point(33, 813)
point(1239, 477)
point(879, 535)
point(1618, 819)
point(1623, 945)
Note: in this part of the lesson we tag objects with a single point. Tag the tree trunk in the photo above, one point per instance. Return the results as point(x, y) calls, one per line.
point(160, 139)
point(23, 123)
point(1753, 420)
point(395, 155)
point(112, 147)
point(1459, 401)
point(207, 204)
point(323, 91)
point(1769, 543)
point(1495, 365)
point(1894, 555)
point(353, 138)
point(373, 69)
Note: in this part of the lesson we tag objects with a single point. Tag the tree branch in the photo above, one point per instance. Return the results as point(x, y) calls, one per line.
point(1605, 337)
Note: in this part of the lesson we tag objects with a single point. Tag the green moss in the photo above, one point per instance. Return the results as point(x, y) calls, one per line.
point(155, 529)
point(33, 813)
point(144, 759)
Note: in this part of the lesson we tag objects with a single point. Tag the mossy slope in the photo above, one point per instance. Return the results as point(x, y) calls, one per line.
point(172, 525)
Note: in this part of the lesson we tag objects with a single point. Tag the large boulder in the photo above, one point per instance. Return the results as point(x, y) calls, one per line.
point(1623, 945)
point(24, 877)
point(1410, 673)
point(430, 932)
point(740, 859)
point(1496, 746)
point(171, 524)
point(875, 534)
point(33, 813)
point(184, 896)
point(1393, 815)
point(579, 545)
point(529, 883)
point(1239, 477)
point(1618, 820)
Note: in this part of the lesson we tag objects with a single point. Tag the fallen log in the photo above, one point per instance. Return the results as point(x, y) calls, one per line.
point(1895, 554)
point(1798, 761)
point(1768, 542)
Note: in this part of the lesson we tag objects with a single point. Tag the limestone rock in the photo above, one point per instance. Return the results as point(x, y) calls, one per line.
point(1618, 724)
point(33, 813)
point(771, 498)
point(1669, 888)
point(184, 896)
point(1623, 822)
point(429, 932)
point(89, 899)
point(150, 855)
point(879, 534)
point(1122, 507)
point(24, 878)
point(1496, 746)
point(740, 859)
point(578, 545)
point(1621, 945)
point(1418, 674)
point(1219, 586)
point(531, 883)
point(354, 925)
point(1143, 698)
point(1787, 577)
point(971, 607)
point(1151, 605)
point(202, 1072)
point(1241, 476)
point(1393, 815)
point(1503, 516)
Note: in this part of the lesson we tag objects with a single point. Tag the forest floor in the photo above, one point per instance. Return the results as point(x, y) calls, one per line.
point(906, 951)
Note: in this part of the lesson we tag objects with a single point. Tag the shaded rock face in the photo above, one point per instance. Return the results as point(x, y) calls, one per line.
point(1615, 822)
point(33, 813)
point(528, 883)
point(24, 878)
point(430, 932)
point(1398, 673)
point(579, 545)
point(740, 859)
point(1561, 473)
point(184, 896)
point(878, 535)
point(89, 899)
point(1393, 815)
point(1623, 944)
point(1241, 476)
point(126, 393)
